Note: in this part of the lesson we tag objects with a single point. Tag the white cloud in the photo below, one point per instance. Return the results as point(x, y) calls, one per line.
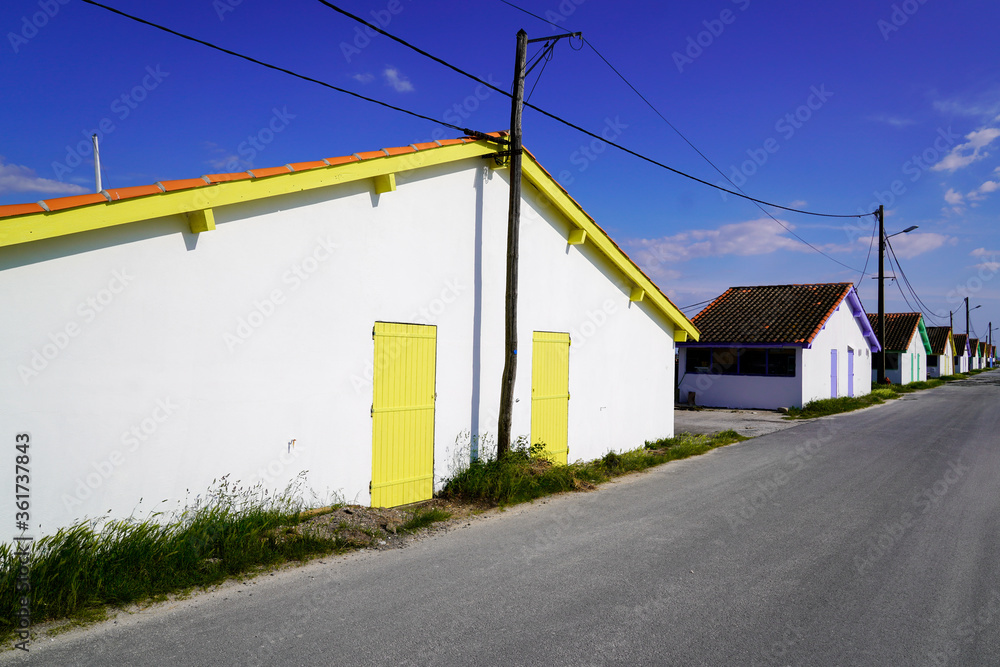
point(15, 178)
point(398, 81)
point(986, 188)
point(364, 77)
point(952, 197)
point(965, 154)
point(983, 252)
point(909, 246)
point(962, 108)
point(799, 203)
point(894, 121)
point(754, 237)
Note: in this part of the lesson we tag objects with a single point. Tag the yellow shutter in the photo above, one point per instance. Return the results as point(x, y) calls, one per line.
point(550, 394)
point(403, 414)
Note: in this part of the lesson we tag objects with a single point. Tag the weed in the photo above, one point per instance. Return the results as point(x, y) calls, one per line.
point(424, 518)
point(80, 569)
point(525, 474)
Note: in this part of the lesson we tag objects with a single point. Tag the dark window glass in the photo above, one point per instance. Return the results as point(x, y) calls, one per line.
point(753, 362)
point(932, 361)
point(724, 361)
point(892, 361)
point(699, 360)
point(781, 363)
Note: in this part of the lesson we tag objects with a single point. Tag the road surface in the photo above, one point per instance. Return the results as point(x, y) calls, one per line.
point(869, 538)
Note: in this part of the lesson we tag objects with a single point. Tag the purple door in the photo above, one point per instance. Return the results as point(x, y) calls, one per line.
point(833, 374)
point(850, 372)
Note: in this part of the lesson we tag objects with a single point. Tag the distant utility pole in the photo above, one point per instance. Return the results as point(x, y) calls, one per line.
point(881, 294)
point(513, 224)
point(966, 316)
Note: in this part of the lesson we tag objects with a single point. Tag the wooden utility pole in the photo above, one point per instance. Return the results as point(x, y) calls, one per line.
point(513, 223)
point(881, 294)
point(966, 317)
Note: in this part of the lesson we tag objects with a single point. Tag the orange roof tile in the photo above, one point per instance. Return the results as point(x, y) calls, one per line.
point(449, 142)
point(20, 209)
point(60, 203)
point(225, 178)
point(305, 166)
point(425, 145)
point(115, 194)
point(343, 159)
point(400, 150)
point(770, 313)
point(899, 329)
point(370, 155)
point(182, 184)
point(269, 171)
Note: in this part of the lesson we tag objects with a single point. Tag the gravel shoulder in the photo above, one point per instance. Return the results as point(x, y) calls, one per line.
point(745, 422)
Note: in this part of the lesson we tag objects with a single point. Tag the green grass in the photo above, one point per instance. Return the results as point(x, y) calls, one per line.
point(422, 518)
point(879, 394)
point(85, 567)
point(524, 474)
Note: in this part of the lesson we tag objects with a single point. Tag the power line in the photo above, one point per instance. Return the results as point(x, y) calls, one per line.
point(681, 135)
point(577, 127)
point(868, 256)
point(925, 309)
point(700, 303)
point(473, 133)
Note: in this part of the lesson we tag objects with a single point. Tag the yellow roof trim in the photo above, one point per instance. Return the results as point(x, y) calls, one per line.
point(50, 224)
point(566, 205)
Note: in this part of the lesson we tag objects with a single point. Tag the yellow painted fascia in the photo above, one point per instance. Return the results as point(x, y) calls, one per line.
point(38, 226)
point(538, 177)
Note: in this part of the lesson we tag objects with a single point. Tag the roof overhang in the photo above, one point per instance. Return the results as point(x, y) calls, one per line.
point(923, 336)
point(858, 312)
point(192, 202)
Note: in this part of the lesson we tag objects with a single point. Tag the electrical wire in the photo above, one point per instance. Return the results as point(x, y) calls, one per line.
point(868, 256)
point(700, 303)
point(925, 309)
point(577, 127)
point(628, 83)
point(473, 133)
point(550, 52)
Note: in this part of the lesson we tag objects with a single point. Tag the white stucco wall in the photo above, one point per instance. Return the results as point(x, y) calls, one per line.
point(840, 332)
point(812, 379)
point(165, 360)
point(741, 391)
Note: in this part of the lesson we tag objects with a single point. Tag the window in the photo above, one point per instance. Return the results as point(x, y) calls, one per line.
point(932, 361)
point(892, 361)
point(778, 362)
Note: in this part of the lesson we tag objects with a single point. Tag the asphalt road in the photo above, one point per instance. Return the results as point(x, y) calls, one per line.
point(868, 538)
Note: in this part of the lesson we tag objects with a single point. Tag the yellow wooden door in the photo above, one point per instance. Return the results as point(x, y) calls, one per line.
point(403, 413)
point(550, 394)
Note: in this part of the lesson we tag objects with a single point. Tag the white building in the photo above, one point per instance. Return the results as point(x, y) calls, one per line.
point(941, 360)
point(962, 353)
point(907, 347)
point(344, 317)
point(778, 346)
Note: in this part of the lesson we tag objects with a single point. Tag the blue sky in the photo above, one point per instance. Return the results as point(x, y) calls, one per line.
point(833, 107)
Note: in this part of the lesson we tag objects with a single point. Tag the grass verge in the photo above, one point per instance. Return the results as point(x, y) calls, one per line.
point(881, 394)
point(80, 571)
point(525, 474)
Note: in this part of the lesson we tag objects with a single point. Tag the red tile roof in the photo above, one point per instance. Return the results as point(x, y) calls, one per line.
point(780, 314)
point(961, 343)
point(899, 329)
point(938, 337)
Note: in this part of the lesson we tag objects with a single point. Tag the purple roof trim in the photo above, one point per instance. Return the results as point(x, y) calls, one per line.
point(858, 311)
